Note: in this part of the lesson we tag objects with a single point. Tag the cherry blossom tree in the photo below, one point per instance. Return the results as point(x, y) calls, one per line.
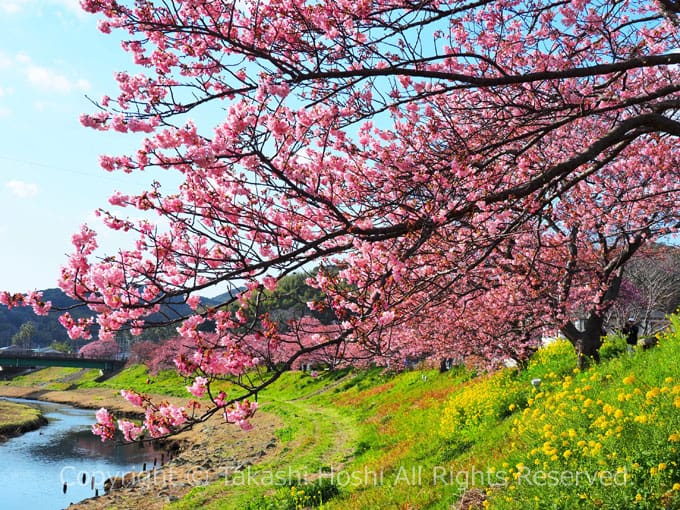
point(102, 349)
point(159, 355)
point(462, 174)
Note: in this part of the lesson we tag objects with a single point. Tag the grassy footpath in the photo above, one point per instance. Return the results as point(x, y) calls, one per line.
point(547, 436)
point(16, 419)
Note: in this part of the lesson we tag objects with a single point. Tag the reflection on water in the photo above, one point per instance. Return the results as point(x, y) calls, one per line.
point(36, 467)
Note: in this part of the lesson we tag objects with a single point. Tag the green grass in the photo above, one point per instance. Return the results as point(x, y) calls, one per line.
point(52, 378)
point(138, 378)
point(607, 437)
point(16, 418)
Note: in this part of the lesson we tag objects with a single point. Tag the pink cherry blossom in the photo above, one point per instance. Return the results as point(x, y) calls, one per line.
point(130, 431)
point(454, 179)
point(199, 387)
point(104, 427)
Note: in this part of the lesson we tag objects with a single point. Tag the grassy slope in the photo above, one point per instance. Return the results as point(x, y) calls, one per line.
point(604, 438)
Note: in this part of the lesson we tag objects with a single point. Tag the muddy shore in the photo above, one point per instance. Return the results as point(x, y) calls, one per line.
point(209, 452)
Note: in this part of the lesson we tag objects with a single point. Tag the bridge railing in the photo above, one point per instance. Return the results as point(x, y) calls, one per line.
point(30, 353)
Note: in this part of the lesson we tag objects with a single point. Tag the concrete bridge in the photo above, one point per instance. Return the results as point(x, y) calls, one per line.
point(31, 359)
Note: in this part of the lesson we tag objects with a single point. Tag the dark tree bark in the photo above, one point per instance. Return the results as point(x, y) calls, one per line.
point(587, 343)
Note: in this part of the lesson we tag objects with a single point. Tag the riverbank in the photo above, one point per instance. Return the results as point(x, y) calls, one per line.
point(209, 452)
point(16, 419)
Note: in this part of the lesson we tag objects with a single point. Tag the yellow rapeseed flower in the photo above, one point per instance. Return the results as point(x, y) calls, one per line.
point(674, 437)
point(676, 486)
point(642, 418)
point(653, 393)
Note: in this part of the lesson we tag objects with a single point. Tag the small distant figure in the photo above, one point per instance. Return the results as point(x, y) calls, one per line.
point(445, 365)
point(630, 329)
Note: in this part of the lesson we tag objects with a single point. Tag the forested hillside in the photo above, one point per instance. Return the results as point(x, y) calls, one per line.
point(47, 328)
point(287, 301)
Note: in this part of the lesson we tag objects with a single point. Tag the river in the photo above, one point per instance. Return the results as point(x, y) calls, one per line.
point(62, 462)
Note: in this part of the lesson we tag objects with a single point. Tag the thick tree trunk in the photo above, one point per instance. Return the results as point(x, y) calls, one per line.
point(587, 342)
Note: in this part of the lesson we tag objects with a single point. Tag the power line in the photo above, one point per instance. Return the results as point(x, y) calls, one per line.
point(101, 174)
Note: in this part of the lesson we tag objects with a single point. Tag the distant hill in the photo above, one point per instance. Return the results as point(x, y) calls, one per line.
point(48, 329)
point(287, 301)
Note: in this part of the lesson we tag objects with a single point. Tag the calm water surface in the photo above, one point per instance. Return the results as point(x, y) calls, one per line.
point(35, 466)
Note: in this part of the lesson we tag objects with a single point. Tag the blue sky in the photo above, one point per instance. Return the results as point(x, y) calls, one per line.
point(51, 57)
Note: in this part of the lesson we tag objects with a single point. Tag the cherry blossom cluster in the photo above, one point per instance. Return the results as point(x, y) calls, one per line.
point(457, 177)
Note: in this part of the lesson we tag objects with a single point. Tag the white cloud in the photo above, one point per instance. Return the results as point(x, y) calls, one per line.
point(11, 6)
point(16, 6)
point(5, 60)
point(82, 84)
point(22, 189)
point(71, 5)
point(22, 58)
point(47, 79)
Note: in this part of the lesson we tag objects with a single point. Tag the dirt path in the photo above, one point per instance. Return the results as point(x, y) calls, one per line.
point(333, 434)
